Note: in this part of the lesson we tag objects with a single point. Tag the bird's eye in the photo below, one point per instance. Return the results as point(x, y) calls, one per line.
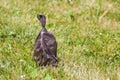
point(40, 16)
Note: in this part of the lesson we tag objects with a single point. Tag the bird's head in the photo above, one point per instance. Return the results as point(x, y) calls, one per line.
point(42, 19)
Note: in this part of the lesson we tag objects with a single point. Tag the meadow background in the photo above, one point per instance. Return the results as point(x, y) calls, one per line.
point(87, 32)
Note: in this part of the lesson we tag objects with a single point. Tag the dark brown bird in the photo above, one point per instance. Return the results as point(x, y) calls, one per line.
point(45, 47)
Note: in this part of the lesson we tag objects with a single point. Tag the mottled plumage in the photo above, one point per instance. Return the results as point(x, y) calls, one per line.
point(45, 48)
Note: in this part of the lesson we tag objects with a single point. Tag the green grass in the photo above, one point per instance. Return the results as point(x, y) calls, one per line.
point(87, 32)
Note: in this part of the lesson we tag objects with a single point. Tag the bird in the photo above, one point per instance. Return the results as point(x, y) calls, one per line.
point(45, 47)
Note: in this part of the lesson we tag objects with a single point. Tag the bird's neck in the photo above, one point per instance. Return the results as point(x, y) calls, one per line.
point(44, 29)
point(43, 22)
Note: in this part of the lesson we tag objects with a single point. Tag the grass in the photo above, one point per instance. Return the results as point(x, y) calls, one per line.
point(87, 32)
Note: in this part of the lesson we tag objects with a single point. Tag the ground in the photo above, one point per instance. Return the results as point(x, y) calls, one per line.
point(87, 32)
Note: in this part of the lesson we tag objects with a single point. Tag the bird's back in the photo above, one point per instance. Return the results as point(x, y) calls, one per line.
point(45, 46)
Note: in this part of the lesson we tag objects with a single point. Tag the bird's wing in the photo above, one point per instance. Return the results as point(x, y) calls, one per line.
point(51, 43)
point(45, 48)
